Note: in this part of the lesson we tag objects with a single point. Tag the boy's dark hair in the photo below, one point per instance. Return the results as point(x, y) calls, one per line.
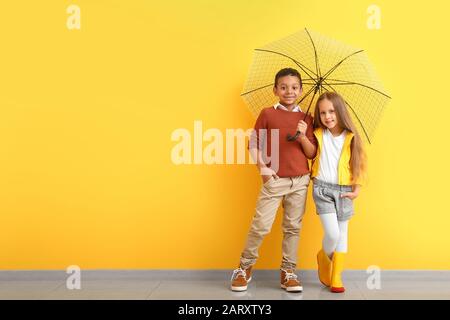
point(288, 72)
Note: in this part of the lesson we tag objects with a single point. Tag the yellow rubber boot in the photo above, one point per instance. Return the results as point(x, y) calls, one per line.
point(324, 268)
point(337, 268)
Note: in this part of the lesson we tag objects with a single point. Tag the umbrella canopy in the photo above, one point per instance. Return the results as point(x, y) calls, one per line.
point(325, 64)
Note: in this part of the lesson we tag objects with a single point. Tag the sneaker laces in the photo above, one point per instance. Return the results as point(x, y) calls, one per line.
point(239, 272)
point(288, 275)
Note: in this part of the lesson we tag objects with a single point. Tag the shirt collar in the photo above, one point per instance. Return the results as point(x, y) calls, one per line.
point(279, 105)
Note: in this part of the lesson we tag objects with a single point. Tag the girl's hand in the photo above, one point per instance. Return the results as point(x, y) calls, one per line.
point(350, 195)
point(302, 126)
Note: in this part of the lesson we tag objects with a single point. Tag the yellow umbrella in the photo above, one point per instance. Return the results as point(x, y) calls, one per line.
point(325, 65)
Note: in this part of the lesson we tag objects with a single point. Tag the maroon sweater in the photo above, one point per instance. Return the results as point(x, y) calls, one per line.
point(292, 161)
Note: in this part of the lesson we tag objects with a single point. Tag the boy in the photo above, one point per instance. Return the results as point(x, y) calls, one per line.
point(285, 178)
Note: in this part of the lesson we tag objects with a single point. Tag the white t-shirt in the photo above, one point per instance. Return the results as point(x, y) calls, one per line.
point(329, 156)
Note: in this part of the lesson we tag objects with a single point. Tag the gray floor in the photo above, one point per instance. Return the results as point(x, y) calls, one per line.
point(214, 284)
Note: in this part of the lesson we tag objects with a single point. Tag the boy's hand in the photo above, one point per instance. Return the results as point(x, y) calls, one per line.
point(266, 173)
point(266, 178)
point(302, 126)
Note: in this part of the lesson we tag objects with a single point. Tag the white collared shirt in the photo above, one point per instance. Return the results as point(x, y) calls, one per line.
point(279, 105)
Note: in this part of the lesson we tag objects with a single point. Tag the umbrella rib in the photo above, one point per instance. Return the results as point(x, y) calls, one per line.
point(358, 84)
point(315, 53)
point(301, 66)
point(364, 129)
point(310, 103)
point(340, 62)
point(268, 85)
point(306, 95)
point(359, 120)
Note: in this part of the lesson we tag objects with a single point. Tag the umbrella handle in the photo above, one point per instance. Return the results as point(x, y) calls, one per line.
point(294, 137)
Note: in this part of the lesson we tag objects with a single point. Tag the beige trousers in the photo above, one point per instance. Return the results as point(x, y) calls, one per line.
point(292, 193)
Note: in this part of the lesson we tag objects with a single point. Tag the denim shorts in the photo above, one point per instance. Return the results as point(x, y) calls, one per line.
point(327, 197)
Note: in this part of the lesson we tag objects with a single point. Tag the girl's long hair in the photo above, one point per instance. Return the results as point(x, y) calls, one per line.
point(358, 159)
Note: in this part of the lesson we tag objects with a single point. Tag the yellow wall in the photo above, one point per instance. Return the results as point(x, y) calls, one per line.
point(86, 118)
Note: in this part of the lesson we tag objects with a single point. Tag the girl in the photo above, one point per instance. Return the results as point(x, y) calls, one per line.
point(337, 171)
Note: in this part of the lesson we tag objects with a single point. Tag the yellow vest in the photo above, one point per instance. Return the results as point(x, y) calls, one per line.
point(344, 171)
